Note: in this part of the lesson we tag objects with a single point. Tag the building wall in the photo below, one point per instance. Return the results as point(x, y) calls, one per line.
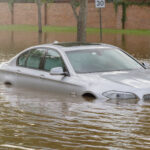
point(140, 16)
point(5, 15)
point(60, 14)
point(25, 14)
point(109, 17)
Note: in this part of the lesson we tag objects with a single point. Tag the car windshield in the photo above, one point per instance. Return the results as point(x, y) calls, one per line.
point(101, 60)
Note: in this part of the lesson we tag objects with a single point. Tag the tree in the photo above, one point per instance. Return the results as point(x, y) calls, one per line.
point(45, 13)
point(125, 4)
point(81, 17)
point(38, 2)
point(11, 6)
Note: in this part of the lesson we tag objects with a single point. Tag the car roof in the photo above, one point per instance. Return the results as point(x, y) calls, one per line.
point(71, 46)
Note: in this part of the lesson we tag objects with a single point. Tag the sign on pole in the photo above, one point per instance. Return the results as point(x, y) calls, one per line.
point(100, 3)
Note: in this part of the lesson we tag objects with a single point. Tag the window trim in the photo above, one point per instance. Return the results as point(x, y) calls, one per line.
point(42, 62)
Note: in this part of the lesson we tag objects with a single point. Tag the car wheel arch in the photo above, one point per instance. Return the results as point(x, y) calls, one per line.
point(8, 83)
point(88, 96)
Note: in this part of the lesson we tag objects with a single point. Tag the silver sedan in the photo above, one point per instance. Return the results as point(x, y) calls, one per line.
point(80, 69)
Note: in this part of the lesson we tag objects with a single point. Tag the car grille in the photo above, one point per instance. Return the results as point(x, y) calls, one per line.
point(146, 97)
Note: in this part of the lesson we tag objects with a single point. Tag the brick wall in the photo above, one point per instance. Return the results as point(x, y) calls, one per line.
point(109, 17)
point(25, 14)
point(5, 15)
point(62, 15)
point(138, 17)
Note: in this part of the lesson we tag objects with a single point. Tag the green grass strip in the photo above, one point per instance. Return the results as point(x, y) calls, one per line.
point(121, 31)
point(18, 28)
point(71, 29)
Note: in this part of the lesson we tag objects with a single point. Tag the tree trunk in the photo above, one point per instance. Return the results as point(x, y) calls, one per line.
point(39, 16)
point(12, 13)
point(45, 13)
point(81, 21)
point(11, 7)
point(123, 15)
point(81, 18)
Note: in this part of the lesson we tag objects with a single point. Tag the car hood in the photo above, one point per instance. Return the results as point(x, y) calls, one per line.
point(120, 80)
point(136, 78)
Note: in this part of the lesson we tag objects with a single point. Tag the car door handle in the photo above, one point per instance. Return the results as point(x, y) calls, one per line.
point(18, 71)
point(42, 76)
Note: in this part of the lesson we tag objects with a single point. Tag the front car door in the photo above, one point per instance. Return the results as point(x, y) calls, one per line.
point(56, 83)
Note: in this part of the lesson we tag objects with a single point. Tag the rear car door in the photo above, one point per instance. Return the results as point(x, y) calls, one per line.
point(29, 68)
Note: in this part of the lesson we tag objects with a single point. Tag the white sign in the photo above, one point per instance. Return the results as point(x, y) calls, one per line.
point(100, 3)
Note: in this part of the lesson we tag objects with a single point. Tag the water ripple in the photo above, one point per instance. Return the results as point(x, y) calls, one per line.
point(35, 122)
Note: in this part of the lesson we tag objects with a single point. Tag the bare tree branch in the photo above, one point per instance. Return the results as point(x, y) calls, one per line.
point(72, 3)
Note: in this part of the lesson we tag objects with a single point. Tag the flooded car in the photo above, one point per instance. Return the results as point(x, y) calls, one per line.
point(80, 69)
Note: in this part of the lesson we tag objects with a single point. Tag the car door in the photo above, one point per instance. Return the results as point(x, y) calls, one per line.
point(56, 83)
point(29, 68)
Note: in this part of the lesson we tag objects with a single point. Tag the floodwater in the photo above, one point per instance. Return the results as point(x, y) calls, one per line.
point(36, 120)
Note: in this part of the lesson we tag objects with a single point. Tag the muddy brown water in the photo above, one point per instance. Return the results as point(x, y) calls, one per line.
point(36, 120)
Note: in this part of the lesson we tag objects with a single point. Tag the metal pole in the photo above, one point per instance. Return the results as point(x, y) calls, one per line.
point(100, 14)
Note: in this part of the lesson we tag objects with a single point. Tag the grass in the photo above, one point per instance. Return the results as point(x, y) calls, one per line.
point(121, 31)
point(18, 28)
point(71, 29)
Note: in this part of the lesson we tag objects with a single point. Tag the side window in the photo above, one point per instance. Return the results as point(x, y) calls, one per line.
point(22, 59)
point(35, 58)
point(52, 60)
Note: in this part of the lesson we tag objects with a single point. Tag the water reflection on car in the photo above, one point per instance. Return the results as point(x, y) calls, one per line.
point(80, 69)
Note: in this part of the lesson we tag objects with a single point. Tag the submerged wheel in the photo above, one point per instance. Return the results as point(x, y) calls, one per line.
point(89, 96)
point(8, 83)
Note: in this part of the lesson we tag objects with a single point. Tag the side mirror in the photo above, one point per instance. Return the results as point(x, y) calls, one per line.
point(58, 71)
